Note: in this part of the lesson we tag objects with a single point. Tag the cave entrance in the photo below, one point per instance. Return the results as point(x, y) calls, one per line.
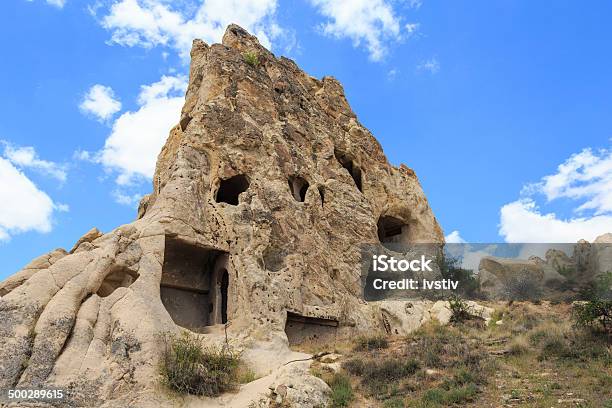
point(351, 167)
point(392, 230)
point(299, 187)
point(305, 329)
point(195, 285)
point(230, 189)
point(224, 288)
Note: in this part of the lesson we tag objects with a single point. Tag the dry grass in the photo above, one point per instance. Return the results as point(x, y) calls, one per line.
point(535, 358)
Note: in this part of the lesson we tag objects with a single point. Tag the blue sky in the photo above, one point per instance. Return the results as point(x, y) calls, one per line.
point(503, 108)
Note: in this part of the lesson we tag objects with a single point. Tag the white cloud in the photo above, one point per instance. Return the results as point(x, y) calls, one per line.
point(454, 238)
point(131, 200)
point(23, 207)
point(412, 28)
point(137, 137)
point(56, 3)
point(149, 23)
point(431, 65)
point(586, 179)
point(100, 101)
point(26, 157)
point(369, 22)
point(522, 221)
point(584, 176)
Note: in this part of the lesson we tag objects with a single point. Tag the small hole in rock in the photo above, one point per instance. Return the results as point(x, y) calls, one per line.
point(351, 167)
point(299, 187)
point(230, 189)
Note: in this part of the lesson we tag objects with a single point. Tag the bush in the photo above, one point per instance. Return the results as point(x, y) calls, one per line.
point(468, 283)
point(460, 310)
point(523, 288)
point(379, 377)
point(355, 366)
point(342, 390)
point(595, 315)
point(518, 346)
point(377, 342)
point(457, 395)
point(251, 58)
point(189, 368)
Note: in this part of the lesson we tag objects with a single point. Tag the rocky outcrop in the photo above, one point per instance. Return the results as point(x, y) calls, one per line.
point(502, 278)
point(262, 197)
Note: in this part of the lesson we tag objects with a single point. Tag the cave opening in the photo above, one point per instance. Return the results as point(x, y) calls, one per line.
point(195, 284)
point(230, 189)
point(223, 289)
point(392, 230)
point(351, 167)
point(305, 329)
point(298, 187)
point(120, 277)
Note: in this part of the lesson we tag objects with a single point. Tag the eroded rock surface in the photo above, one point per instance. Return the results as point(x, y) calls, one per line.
point(262, 196)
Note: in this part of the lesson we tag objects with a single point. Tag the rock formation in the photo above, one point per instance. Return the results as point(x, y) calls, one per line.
point(560, 275)
point(262, 196)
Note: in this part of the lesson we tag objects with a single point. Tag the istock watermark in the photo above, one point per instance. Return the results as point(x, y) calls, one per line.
point(533, 272)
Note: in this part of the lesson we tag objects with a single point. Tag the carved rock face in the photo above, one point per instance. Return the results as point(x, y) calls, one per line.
point(263, 194)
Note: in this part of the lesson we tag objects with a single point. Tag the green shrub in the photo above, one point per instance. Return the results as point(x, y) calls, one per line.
point(450, 268)
point(460, 310)
point(251, 58)
point(342, 390)
point(595, 315)
point(394, 403)
point(462, 377)
point(391, 369)
point(380, 376)
point(188, 367)
point(553, 347)
point(453, 396)
point(368, 343)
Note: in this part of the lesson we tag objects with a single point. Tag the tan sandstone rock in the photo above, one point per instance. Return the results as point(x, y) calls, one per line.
point(262, 196)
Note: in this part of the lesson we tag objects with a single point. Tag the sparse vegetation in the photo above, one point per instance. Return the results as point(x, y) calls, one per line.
point(534, 358)
point(251, 58)
point(245, 375)
point(189, 368)
point(595, 313)
point(342, 390)
point(367, 343)
point(523, 288)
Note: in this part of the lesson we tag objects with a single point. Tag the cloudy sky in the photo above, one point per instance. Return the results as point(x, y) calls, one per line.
point(503, 108)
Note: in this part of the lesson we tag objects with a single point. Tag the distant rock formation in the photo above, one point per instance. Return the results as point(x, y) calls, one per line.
point(560, 276)
point(262, 196)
